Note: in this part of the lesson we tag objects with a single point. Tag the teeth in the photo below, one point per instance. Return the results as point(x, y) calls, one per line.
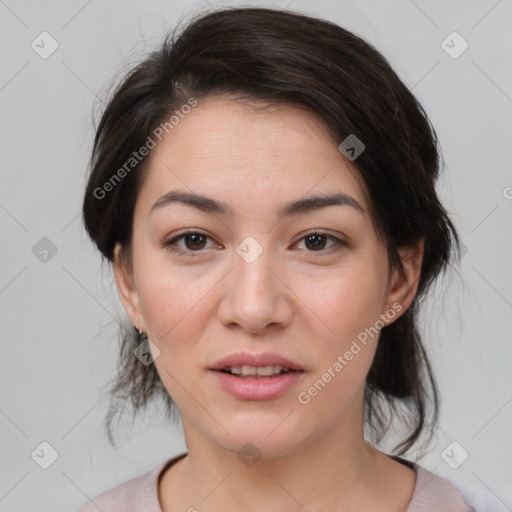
point(261, 371)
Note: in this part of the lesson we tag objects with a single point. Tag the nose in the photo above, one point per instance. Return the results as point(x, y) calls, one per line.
point(255, 296)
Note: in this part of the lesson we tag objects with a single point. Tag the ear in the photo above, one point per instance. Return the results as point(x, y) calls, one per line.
point(404, 284)
point(126, 288)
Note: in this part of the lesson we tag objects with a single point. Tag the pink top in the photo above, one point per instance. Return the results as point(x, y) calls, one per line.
point(140, 494)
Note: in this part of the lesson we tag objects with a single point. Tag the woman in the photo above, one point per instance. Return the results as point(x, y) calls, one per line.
point(264, 187)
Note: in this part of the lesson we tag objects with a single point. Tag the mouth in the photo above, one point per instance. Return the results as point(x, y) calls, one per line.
point(257, 382)
point(258, 372)
point(250, 365)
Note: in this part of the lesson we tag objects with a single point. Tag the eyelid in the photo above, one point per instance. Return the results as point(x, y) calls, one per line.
point(168, 242)
point(340, 243)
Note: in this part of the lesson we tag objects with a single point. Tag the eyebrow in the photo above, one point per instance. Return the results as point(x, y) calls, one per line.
point(298, 207)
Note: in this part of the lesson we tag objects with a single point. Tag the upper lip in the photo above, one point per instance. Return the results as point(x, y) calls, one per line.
point(246, 359)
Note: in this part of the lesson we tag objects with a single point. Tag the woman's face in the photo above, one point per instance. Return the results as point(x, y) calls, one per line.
point(252, 279)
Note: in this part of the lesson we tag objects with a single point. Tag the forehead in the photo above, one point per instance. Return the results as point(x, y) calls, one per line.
point(248, 154)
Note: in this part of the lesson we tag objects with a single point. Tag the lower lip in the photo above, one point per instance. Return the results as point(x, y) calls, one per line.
point(257, 389)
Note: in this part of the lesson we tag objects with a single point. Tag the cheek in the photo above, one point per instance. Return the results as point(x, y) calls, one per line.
point(348, 302)
point(349, 307)
point(177, 307)
point(173, 299)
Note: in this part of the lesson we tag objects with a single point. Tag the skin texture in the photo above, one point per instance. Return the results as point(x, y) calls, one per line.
point(305, 303)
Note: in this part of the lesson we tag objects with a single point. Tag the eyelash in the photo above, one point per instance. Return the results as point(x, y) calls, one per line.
point(168, 244)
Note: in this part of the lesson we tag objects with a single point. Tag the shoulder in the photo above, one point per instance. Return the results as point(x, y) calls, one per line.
point(434, 493)
point(137, 494)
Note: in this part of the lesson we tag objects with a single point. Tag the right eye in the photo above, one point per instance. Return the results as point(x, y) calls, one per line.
point(194, 242)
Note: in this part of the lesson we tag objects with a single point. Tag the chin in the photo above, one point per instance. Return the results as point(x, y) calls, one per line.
point(262, 439)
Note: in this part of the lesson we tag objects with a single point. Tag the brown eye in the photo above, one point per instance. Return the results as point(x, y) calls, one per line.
point(192, 242)
point(316, 242)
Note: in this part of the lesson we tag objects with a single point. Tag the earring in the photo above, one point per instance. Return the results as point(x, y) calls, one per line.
point(141, 335)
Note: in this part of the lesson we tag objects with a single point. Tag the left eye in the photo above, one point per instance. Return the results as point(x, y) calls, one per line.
point(318, 240)
point(195, 242)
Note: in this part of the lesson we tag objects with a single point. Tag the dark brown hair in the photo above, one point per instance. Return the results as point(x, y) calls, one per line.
point(281, 56)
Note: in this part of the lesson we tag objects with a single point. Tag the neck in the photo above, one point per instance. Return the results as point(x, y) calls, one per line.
point(338, 470)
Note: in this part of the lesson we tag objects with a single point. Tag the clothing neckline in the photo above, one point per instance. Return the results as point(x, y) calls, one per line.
point(405, 462)
point(161, 470)
point(166, 465)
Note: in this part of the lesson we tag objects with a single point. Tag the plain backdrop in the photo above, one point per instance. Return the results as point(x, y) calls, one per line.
point(59, 308)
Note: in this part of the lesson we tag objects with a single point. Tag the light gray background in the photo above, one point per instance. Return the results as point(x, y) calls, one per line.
point(58, 318)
